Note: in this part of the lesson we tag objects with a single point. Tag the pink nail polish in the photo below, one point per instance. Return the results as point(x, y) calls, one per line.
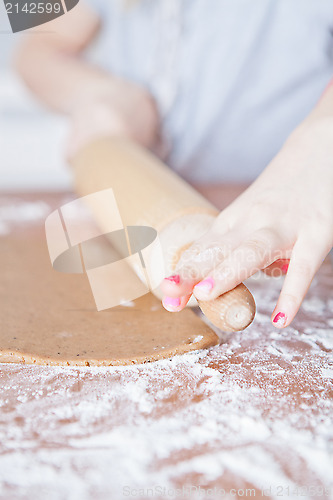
point(284, 268)
point(280, 319)
point(205, 285)
point(175, 278)
point(170, 303)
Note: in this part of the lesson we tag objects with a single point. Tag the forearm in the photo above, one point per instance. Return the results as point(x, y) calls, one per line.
point(96, 102)
point(315, 131)
point(318, 122)
point(56, 76)
point(50, 63)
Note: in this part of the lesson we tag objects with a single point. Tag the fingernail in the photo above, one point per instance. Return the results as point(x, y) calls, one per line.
point(280, 319)
point(284, 268)
point(171, 303)
point(205, 285)
point(175, 278)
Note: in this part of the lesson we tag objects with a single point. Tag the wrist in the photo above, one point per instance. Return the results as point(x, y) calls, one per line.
point(93, 90)
point(110, 106)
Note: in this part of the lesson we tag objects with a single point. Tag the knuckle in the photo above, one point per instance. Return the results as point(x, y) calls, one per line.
point(252, 251)
point(226, 273)
point(263, 246)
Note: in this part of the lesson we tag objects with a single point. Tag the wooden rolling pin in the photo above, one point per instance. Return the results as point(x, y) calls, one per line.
point(149, 193)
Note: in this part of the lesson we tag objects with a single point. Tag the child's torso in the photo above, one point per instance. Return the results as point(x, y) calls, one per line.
point(232, 78)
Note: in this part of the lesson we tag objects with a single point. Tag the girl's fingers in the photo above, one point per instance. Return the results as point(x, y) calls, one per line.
point(195, 263)
point(175, 304)
point(305, 261)
point(249, 257)
point(175, 286)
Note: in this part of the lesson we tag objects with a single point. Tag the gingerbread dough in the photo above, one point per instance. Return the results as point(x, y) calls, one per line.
point(50, 318)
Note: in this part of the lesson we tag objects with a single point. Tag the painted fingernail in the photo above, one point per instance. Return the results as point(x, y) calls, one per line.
point(205, 285)
point(175, 278)
point(284, 268)
point(280, 319)
point(171, 303)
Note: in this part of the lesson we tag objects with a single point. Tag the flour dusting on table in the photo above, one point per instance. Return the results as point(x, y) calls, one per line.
point(254, 412)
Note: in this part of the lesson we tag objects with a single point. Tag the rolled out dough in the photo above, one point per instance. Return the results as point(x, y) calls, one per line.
point(50, 318)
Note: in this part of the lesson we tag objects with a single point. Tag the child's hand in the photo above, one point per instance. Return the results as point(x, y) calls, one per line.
point(287, 213)
point(112, 106)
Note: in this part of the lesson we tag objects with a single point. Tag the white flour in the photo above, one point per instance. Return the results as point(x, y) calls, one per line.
point(21, 213)
point(253, 412)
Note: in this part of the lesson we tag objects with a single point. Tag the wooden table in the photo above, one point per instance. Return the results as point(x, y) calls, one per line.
point(254, 413)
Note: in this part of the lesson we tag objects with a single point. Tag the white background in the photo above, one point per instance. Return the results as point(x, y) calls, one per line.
point(31, 138)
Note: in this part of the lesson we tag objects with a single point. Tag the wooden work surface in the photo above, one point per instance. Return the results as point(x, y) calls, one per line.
point(50, 318)
point(254, 412)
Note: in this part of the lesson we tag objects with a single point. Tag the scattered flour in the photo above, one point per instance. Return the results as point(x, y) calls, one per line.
point(197, 339)
point(327, 373)
point(128, 303)
point(19, 212)
point(254, 412)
